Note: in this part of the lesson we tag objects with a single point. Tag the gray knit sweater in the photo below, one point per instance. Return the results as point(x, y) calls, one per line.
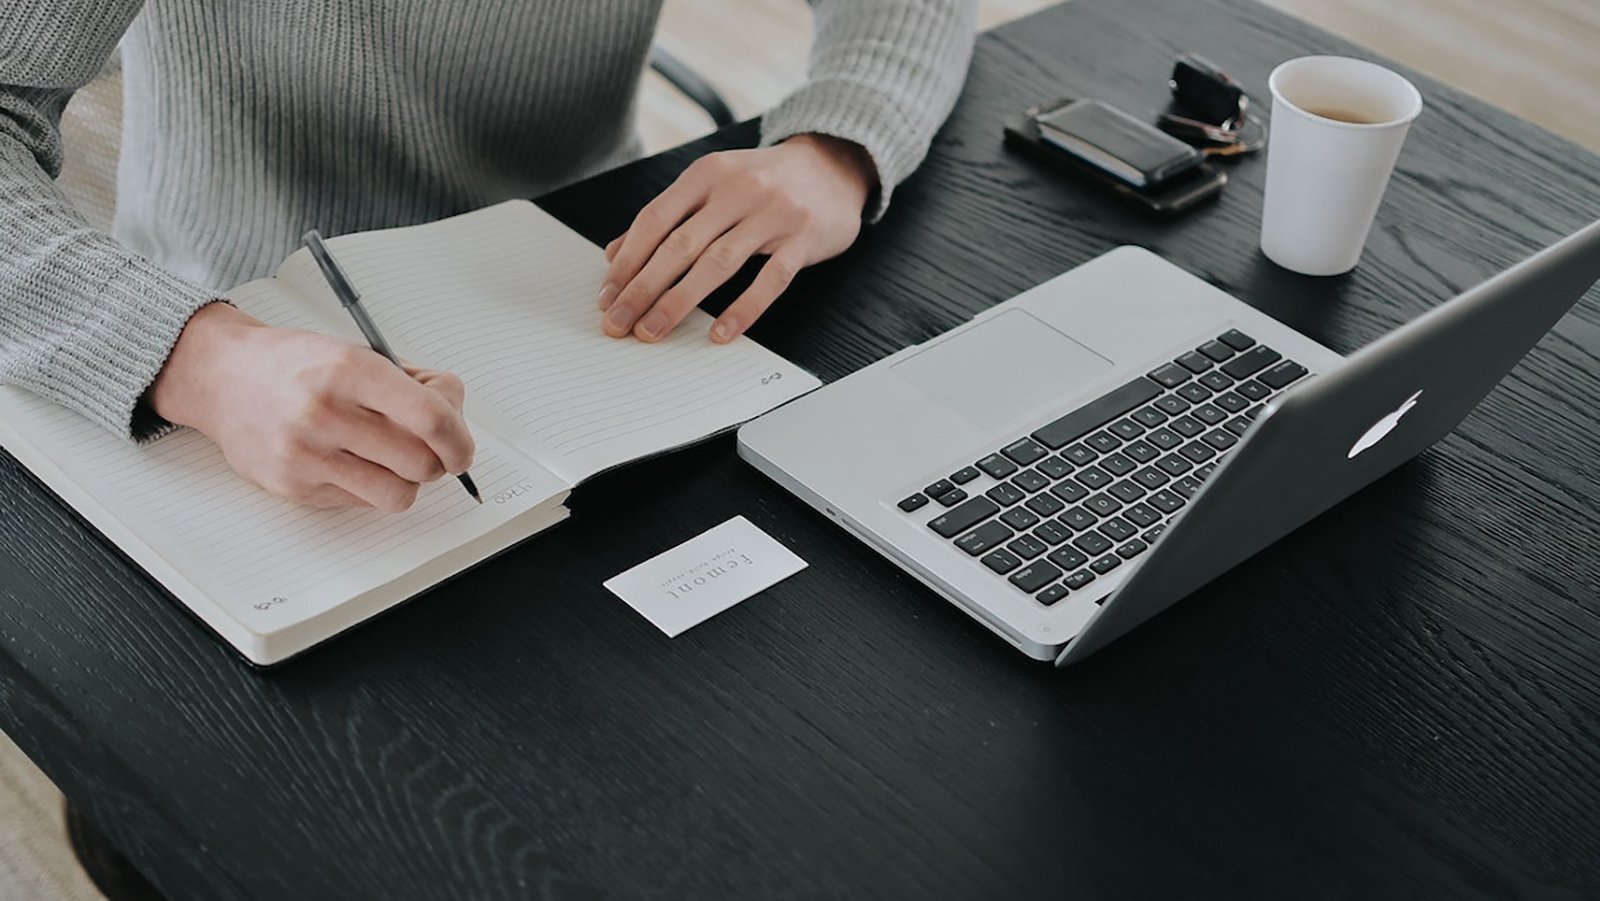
point(248, 122)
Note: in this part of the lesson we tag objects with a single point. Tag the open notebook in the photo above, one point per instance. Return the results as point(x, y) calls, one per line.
point(504, 297)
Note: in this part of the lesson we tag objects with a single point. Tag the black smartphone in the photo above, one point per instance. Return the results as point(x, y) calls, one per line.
point(1188, 185)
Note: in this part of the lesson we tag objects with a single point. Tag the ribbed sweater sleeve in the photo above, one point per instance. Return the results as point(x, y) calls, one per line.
point(883, 74)
point(83, 321)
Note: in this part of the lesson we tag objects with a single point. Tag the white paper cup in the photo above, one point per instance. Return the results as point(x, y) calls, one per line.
point(1325, 176)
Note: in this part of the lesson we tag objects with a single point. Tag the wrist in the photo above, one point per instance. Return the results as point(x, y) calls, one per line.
point(184, 391)
point(846, 156)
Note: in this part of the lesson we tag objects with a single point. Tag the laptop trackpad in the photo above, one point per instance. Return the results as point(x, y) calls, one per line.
point(994, 372)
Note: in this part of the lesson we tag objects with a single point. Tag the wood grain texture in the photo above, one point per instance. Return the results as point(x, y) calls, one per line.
point(1400, 699)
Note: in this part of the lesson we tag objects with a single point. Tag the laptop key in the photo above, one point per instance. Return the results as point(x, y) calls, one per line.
point(1151, 477)
point(1078, 519)
point(1093, 477)
point(1127, 491)
point(1172, 464)
point(1170, 375)
point(1253, 412)
point(1236, 339)
point(1103, 504)
point(1027, 547)
point(1005, 494)
point(1045, 504)
point(1052, 532)
point(1126, 429)
point(937, 488)
point(1067, 558)
point(1069, 491)
point(1251, 361)
point(1024, 451)
point(1194, 393)
point(951, 498)
point(1216, 350)
point(964, 475)
point(1187, 486)
point(1209, 414)
point(1117, 529)
point(1219, 439)
point(1097, 413)
point(1149, 417)
point(1166, 500)
point(1238, 425)
point(1197, 451)
point(1216, 380)
point(996, 466)
point(984, 538)
point(964, 516)
point(1194, 362)
point(1187, 426)
point(1231, 402)
point(1092, 543)
point(1078, 580)
point(1030, 480)
point(1035, 576)
point(1054, 467)
point(1132, 549)
point(1106, 564)
point(1150, 536)
point(1142, 515)
point(1171, 404)
point(1020, 518)
point(1165, 439)
point(1103, 442)
point(1001, 561)
point(1079, 454)
point(914, 502)
point(1281, 374)
point(1141, 451)
point(1205, 471)
point(1118, 465)
point(1255, 392)
point(1051, 594)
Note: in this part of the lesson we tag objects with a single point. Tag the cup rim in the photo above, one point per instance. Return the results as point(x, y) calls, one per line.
point(1415, 96)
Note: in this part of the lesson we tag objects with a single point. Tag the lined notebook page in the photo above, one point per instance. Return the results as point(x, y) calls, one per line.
point(266, 562)
point(505, 298)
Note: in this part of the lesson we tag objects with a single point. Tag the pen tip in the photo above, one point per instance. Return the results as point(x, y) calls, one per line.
point(471, 486)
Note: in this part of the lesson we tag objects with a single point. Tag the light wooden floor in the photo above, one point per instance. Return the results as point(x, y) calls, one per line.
point(1536, 58)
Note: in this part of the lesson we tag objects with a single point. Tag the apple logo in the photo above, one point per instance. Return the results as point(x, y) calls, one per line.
point(1383, 427)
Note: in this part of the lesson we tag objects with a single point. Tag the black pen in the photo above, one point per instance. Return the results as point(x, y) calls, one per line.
point(350, 299)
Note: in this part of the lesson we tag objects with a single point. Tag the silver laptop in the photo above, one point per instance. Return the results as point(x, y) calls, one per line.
point(1078, 458)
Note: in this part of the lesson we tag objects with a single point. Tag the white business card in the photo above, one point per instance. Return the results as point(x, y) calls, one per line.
point(705, 575)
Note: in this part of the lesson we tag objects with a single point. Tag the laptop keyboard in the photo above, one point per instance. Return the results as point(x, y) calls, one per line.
point(1076, 498)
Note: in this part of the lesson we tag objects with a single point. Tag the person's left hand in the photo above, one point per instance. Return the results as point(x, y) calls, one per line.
point(799, 202)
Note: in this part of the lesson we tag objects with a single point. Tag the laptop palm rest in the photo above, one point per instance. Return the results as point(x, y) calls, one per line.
point(998, 370)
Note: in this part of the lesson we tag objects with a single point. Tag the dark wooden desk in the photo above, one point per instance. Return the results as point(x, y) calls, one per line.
point(1401, 699)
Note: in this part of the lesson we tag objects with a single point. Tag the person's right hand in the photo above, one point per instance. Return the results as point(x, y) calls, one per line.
point(312, 418)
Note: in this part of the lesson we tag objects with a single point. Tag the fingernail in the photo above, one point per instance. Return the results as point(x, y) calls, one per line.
point(722, 331)
point(619, 319)
point(654, 324)
point(608, 294)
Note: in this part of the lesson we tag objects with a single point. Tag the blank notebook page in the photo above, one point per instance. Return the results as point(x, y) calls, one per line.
point(267, 562)
point(505, 298)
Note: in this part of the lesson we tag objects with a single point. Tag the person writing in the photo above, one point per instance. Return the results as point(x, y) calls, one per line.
point(245, 124)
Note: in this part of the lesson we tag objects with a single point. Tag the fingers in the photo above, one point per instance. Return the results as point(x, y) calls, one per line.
point(678, 251)
point(367, 481)
point(447, 383)
point(770, 282)
point(720, 262)
point(380, 440)
point(331, 497)
point(658, 219)
point(420, 410)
